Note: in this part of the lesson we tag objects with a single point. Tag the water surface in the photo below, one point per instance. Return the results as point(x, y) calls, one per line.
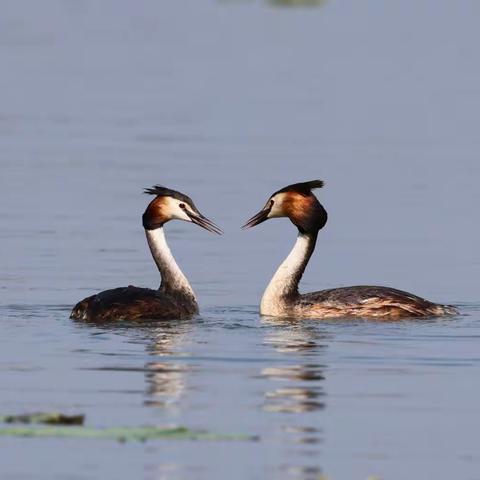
point(229, 101)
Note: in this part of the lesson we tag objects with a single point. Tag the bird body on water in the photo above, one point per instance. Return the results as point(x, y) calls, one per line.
point(282, 298)
point(175, 298)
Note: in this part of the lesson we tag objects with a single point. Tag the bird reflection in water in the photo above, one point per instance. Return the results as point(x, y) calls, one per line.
point(294, 398)
point(302, 390)
point(165, 377)
point(297, 388)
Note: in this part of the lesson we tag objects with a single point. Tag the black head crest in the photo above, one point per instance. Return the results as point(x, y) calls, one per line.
point(303, 188)
point(161, 191)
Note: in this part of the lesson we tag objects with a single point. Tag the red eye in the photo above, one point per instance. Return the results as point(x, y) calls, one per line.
point(182, 205)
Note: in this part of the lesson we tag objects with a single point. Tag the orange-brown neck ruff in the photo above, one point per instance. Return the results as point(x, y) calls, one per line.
point(155, 214)
point(305, 212)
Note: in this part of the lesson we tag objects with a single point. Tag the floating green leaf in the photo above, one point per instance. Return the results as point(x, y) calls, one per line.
point(122, 434)
point(49, 418)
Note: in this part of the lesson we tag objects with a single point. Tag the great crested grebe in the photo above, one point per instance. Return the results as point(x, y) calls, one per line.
point(281, 298)
point(175, 297)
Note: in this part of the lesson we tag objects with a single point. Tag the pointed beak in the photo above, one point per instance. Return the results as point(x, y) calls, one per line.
point(260, 217)
point(204, 222)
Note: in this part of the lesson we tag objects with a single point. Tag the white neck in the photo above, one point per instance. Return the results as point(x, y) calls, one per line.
point(173, 279)
point(283, 286)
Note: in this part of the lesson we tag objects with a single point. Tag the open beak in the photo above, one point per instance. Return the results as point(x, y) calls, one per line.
point(204, 222)
point(260, 217)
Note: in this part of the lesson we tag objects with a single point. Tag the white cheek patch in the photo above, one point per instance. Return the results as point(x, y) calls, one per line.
point(176, 211)
point(277, 207)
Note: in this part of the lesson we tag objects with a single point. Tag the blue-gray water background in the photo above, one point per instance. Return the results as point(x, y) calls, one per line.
point(229, 101)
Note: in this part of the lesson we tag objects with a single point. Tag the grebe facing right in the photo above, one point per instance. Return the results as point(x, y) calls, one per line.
point(175, 297)
point(281, 298)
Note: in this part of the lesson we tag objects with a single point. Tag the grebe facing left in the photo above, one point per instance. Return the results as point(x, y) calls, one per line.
point(175, 297)
point(281, 298)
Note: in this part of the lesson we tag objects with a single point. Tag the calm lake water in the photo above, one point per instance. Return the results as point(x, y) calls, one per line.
point(228, 101)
